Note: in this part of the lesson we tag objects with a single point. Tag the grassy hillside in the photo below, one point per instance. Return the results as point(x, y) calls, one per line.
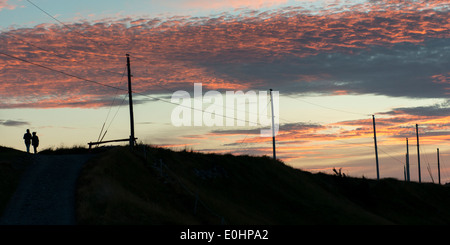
point(160, 186)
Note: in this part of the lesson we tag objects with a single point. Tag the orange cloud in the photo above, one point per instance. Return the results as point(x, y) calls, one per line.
point(218, 4)
point(441, 78)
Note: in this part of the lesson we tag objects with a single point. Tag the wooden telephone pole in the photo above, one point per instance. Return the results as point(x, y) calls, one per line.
point(273, 128)
point(439, 167)
point(407, 161)
point(376, 148)
point(132, 139)
point(418, 151)
point(130, 101)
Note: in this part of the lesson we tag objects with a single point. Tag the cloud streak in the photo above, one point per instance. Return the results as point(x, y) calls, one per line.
point(13, 123)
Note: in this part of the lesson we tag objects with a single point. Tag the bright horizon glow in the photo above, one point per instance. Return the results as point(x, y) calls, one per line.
point(335, 65)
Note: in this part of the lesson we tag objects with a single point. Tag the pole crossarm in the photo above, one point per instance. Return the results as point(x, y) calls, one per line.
point(108, 141)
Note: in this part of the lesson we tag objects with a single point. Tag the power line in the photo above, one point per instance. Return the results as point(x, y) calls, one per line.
point(61, 72)
point(109, 111)
point(54, 18)
point(67, 26)
point(75, 30)
point(392, 156)
point(110, 123)
point(117, 88)
point(353, 143)
point(51, 16)
point(242, 142)
point(330, 108)
point(58, 55)
point(114, 87)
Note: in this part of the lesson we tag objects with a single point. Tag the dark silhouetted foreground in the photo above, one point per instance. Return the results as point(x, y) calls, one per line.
point(45, 195)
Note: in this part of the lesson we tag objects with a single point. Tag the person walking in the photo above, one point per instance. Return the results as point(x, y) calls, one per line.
point(27, 139)
point(35, 142)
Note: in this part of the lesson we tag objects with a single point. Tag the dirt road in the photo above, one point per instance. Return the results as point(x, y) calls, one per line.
point(46, 194)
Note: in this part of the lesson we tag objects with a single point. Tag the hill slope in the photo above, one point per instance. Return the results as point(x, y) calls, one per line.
point(160, 186)
point(12, 165)
point(45, 194)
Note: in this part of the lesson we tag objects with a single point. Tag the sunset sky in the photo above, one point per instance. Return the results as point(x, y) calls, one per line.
point(335, 64)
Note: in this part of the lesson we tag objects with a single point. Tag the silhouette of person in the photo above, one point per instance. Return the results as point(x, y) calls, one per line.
point(27, 139)
point(35, 142)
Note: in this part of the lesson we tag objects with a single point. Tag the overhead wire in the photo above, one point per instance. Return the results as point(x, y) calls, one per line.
point(109, 111)
point(430, 172)
point(353, 143)
point(51, 16)
point(80, 33)
point(61, 72)
point(159, 99)
point(58, 55)
point(424, 157)
point(117, 111)
point(242, 142)
point(69, 27)
point(396, 159)
point(156, 98)
point(118, 88)
point(330, 108)
point(383, 149)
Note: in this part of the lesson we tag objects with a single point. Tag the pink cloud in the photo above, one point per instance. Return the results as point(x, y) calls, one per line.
point(5, 5)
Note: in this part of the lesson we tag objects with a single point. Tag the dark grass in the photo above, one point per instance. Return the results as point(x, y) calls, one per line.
point(124, 187)
point(12, 165)
point(120, 186)
point(62, 150)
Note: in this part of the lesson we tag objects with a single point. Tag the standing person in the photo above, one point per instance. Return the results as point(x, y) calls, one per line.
point(35, 142)
point(27, 139)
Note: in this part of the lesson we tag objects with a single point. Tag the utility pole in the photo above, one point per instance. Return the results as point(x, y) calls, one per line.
point(439, 167)
point(273, 128)
point(418, 152)
point(407, 161)
point(130, 101)
point(404, 173)
point(376, 149)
